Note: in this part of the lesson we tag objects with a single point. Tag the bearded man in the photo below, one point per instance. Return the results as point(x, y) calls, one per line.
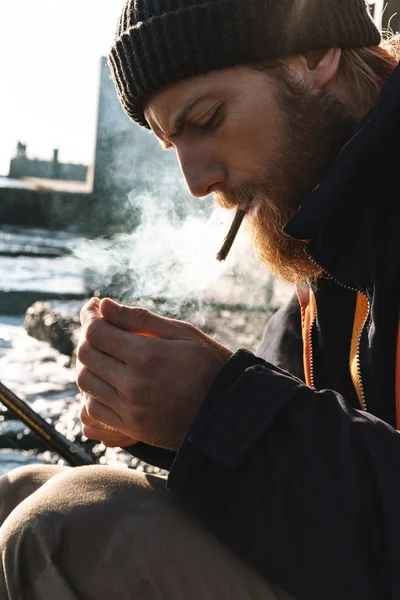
point(283, 466)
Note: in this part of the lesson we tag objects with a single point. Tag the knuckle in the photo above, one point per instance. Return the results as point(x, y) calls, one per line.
point(135, 389)
point(83, 311)
point(140, 418)
point(111, 443)
point(81, 379)
point(84, 417)
point(143, 360)
point(187, 330)
point(92, 408)
point(112, 440)
point(82, 352)
point(189, 327)
point(128, 388)
point(88, 307)
point(142, 316)
point(88, 432)
point(93, 332)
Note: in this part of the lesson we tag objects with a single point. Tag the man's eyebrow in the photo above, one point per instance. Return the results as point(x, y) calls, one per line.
point(179, 122)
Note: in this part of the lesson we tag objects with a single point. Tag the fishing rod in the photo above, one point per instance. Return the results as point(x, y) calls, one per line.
point(71, 452)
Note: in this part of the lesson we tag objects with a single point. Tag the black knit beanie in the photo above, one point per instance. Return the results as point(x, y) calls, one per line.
point(162, 41)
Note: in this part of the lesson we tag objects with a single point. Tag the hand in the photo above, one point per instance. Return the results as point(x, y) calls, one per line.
point(143, 375)
point(95, 430)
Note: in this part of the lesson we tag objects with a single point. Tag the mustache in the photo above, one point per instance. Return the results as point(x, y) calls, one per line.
point(241, 196)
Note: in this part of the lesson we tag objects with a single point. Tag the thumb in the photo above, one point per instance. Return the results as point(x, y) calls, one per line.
point(141, 321)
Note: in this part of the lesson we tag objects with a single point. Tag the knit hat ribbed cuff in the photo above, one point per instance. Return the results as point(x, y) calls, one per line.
point(150, 54)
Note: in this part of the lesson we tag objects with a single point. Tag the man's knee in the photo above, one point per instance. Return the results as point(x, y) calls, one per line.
point(20, 483)
point(82, 503)
point(77, 523)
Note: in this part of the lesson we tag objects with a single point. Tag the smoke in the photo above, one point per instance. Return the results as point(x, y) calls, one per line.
point(169, 258)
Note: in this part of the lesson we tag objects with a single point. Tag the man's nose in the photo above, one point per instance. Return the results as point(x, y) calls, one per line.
point(202, 177)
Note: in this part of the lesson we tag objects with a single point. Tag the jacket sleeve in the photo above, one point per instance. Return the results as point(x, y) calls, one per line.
point(302, 486)
point(158, 457)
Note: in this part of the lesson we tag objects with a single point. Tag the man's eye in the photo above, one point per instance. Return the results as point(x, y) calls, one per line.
point(214, 122)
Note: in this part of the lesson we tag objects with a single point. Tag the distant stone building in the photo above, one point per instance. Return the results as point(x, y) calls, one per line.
point(126, 156)
point(22, 166)
point(129, 162)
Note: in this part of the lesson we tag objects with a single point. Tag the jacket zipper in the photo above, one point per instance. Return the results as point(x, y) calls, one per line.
point(360, 391)
point(311, 354)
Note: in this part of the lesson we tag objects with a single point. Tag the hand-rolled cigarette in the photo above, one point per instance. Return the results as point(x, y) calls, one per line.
point(230, 238)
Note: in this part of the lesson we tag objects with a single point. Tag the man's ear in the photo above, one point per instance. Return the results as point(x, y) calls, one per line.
point(323, 66)
point(318, 67)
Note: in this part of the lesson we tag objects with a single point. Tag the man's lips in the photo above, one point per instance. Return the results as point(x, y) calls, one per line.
point(249, 206)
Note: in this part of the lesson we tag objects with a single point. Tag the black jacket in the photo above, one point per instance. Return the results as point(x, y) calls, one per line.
point(299, 480)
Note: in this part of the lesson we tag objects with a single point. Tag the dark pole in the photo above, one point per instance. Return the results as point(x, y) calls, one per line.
point(72, 453)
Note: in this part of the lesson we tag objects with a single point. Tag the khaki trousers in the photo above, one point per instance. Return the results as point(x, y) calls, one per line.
point(94, 533)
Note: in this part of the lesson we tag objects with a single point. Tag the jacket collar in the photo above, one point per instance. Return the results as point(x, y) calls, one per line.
point(344, 218)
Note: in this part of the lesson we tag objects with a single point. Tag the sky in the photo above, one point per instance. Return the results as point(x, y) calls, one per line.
point(50, 53)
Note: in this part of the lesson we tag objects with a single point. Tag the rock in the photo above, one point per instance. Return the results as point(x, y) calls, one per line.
point(55, 322)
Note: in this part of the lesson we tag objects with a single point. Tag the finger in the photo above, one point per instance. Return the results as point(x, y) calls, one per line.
point(102, 413)
point(111, 439)
point(123, 443)
point(116, 342)
point(88, 421)
point(106, 367)
point(102, 401)
point(94, 430)
point(143, 322)
point(89, 311)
